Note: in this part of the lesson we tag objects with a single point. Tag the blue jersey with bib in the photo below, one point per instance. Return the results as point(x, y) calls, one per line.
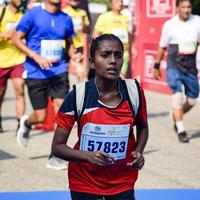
point(46, 34)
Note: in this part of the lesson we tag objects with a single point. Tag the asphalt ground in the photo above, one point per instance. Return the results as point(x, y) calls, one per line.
point(170, 165)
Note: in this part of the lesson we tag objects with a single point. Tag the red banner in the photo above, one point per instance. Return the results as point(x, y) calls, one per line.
point(149, 16)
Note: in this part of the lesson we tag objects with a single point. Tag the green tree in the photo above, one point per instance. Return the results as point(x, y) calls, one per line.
point(99, 1)
point(196, 7)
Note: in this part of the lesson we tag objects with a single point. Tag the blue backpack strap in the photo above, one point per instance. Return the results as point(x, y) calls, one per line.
point(132, 86)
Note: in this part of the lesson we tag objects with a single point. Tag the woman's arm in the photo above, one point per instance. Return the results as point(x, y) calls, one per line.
point(61, 150)
point(142, 137)
point(142, 133)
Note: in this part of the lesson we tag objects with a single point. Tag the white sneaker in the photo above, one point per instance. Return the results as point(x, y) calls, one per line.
point(23, 132)
point(56, 163)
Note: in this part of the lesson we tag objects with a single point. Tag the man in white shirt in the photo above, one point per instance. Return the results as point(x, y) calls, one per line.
point(180, 35)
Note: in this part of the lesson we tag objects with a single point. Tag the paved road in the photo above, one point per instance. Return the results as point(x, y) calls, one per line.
point(169, 164)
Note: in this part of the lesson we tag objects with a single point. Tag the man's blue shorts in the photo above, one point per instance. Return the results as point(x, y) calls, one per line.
point(176, 80)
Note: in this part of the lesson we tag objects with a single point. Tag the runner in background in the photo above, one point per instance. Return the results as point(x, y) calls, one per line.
point(11, 59)
point(81, 26)
point(48, 44)
point(104, 162)
point(180, 35)
point(126, 11)
point(118, 24)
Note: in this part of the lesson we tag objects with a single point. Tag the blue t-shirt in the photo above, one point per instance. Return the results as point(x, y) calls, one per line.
point(45, 35)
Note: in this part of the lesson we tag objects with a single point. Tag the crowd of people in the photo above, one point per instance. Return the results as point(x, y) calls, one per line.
point(41, 53)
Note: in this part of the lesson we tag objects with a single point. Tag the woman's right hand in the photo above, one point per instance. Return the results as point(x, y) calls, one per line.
point(99, 158)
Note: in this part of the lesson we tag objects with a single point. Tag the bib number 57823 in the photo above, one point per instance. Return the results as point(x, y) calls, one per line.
point(107, 147)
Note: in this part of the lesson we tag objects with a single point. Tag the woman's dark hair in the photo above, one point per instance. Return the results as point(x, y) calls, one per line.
point(180, 1)
point(97, 41)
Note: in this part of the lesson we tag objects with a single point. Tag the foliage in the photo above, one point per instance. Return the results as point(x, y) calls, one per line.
point(196, 7)
point(99, 1)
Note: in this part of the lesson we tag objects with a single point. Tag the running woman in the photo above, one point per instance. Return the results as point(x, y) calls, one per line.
point(104, 162)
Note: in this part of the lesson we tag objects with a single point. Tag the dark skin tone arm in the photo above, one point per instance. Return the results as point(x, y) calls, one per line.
point(142, 137)
point(60, 149)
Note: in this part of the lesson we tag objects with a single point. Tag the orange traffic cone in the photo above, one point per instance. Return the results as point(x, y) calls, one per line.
point(48, 124)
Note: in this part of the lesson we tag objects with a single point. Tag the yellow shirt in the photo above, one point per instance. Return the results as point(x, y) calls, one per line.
point(109, 22)
point(80, 20)
point(9, 54)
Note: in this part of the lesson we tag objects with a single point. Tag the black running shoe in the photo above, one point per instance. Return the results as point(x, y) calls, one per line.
point(1, 129)
point(183, 138)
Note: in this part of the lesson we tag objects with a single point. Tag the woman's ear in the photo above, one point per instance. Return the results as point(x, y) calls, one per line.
point(91, 63)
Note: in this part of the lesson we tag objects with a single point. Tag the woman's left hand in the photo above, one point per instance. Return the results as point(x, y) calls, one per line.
point(138, 162)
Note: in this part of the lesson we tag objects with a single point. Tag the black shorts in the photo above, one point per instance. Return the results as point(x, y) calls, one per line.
point(127, 195)
point(40, 90)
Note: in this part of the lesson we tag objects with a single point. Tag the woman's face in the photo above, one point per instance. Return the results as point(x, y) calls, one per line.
point(108, 60)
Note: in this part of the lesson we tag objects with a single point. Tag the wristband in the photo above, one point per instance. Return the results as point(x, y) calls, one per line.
point(156, 65)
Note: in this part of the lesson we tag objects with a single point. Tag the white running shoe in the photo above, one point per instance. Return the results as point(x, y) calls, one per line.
point(23, 132)
point(56, 163)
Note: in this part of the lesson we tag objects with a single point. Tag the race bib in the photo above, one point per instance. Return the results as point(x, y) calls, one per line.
point(111, 139)
point(78, 24)
point(121, 34)
point(52, 49)
point(187, 47)
point(10, 26)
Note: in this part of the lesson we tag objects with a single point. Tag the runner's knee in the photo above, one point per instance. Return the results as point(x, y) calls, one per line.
point(177, 100)
point(40, 116)
point(190, 102)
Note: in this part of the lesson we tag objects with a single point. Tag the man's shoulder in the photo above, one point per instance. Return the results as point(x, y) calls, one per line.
point(172, 21)
point(69, 10)
point(35, 9)
point(106, 14)
point(65, 15)
point(195, 18)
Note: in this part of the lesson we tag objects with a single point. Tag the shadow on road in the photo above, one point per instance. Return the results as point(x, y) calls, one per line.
point(161, 114)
